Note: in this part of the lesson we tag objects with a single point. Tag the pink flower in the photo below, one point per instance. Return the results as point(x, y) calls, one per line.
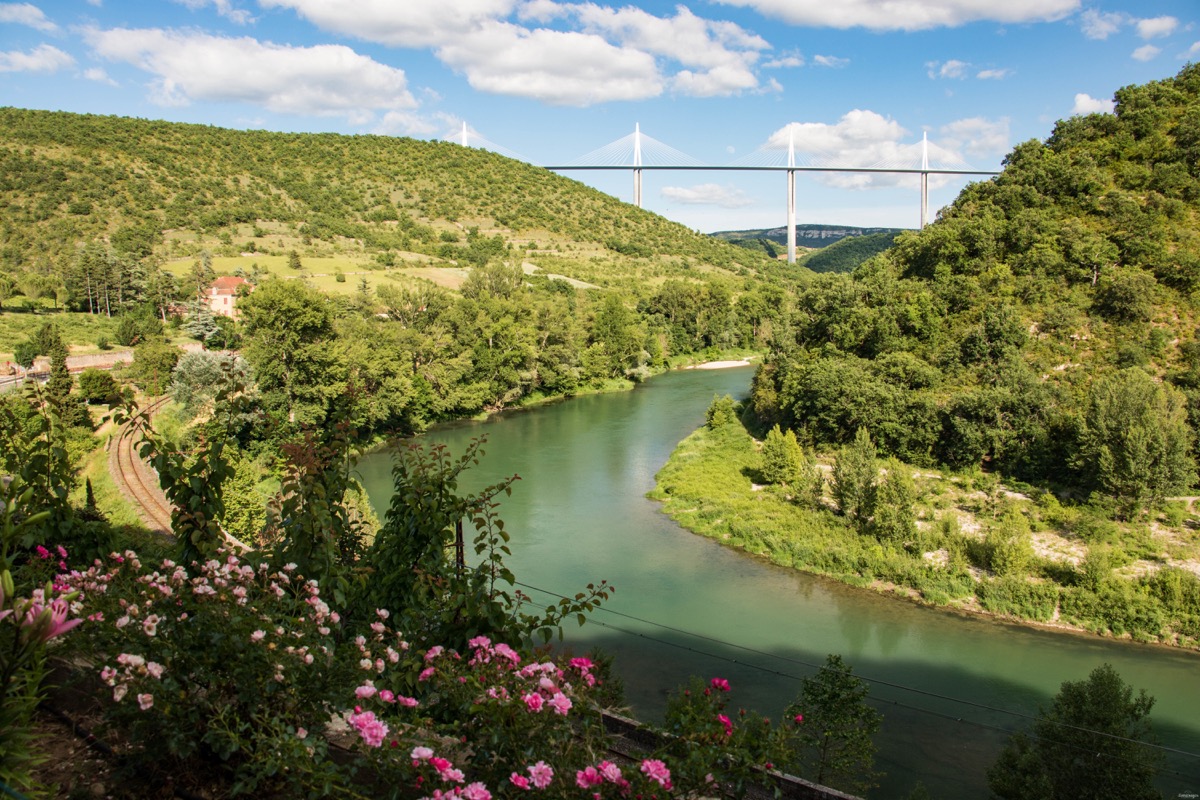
point(301, 733)
point(155, 669)
point(434, 652)
point(520, 781)
point(452, 775)
point(365, 691)
point(798, 718)
point(533, 701)
point(475, 791)
point(610, 771)
point(657, 771)
point(440, 764)
point(42, 552)
point(372, 730)
point(720, 683)
point(47, 621)
point(257, 636)
point(150, 625)
point(561, 703)
point(421, 753)
point(582, 664)
point(407, 702)
point(145, 701)
point(724, 720)
point(426, 674)
point(479, 641)
point(588, 777)
point(506, 652)
point(541, 774)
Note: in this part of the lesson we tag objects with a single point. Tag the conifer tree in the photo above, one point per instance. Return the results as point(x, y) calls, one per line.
point(855, 473)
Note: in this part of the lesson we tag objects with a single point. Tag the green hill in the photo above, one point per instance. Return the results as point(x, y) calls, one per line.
point(171, 190)
point(1011, 333)
point(846, 254)
point(810, 236)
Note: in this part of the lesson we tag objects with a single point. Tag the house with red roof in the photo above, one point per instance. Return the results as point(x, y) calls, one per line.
point(223, 294)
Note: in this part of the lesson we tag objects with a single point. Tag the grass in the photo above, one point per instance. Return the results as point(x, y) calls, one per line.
point(706, 487)
point(80, 331)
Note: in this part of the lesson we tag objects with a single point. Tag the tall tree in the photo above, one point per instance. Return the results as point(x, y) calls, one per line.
point(835, 745)
point(855, 473)
point(288, 332)
point(1134, 439)
point(1089, 745)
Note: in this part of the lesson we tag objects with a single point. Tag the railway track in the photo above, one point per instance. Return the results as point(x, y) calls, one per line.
point(136, 479)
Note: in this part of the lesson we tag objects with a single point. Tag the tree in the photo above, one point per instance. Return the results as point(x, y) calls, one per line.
point(854, 479)
point(97, 386)
point(1089, 745)
point(894, 517)
point(1134, 440)
point(1008, 543)
point(153, 362)
point(288, 331)
point(834, 746)
point(781, 457)
point(294, 260)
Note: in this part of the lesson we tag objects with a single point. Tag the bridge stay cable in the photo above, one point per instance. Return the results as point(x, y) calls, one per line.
point(639, 152)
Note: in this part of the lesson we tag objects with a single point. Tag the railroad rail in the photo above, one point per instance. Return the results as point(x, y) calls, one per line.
point(136, 479)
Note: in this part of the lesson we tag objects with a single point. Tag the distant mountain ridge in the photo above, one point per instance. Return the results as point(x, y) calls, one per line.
point(807, 235)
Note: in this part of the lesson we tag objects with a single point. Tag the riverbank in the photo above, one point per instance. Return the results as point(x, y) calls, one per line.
point(1126, 582)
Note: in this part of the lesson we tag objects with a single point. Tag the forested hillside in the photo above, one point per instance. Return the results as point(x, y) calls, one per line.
point(1044, 326)
point(479, 281)
point(154, 188)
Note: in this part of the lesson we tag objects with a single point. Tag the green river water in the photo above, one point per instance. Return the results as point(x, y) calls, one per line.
point(950, 687)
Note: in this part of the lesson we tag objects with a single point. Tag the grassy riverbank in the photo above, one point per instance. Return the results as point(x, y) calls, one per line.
point(1083, 572)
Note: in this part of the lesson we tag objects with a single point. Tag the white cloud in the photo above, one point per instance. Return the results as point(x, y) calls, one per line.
point(42, 58)
point(26, 14)
point(225, 8)
point(976, 136)
point(864, 138)
point(1156, 27)
point(1146, 52)
point(593, 53)
point(1193, 50)
point(560, 68)
point(1101, 24)
point(325, 80)
point(785, 60)
point(907, 15)
point(708, 194)
point(99, 76)
point(717, 56)
point(406, 123)
point(993, 74)
point(830, 61)
point(949, 69)
point(1086, 104)
point(410, 23)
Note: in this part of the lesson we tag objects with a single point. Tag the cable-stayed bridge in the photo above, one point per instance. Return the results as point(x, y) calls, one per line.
point(784, 152)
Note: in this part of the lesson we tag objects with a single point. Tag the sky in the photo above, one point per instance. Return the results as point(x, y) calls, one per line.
point(707, 82)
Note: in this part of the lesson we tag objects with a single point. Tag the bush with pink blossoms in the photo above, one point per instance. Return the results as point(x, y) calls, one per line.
point(227, 663)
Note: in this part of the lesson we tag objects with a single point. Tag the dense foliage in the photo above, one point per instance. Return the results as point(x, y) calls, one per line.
point(988, 338)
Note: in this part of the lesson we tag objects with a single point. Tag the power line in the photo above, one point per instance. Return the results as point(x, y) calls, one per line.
point(971, 703)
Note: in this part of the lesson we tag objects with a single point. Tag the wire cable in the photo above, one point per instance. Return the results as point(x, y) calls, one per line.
point(890, 684)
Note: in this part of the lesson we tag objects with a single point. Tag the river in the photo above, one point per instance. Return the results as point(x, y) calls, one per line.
point(950, 686)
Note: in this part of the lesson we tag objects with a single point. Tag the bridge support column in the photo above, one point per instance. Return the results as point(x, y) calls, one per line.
point(637, 188)
point(924, 199)
point(791, 215)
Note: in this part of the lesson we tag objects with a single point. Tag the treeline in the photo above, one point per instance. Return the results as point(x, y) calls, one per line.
point(1044, 326)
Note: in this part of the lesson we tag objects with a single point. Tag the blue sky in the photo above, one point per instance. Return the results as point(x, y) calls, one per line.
point(722, 81)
